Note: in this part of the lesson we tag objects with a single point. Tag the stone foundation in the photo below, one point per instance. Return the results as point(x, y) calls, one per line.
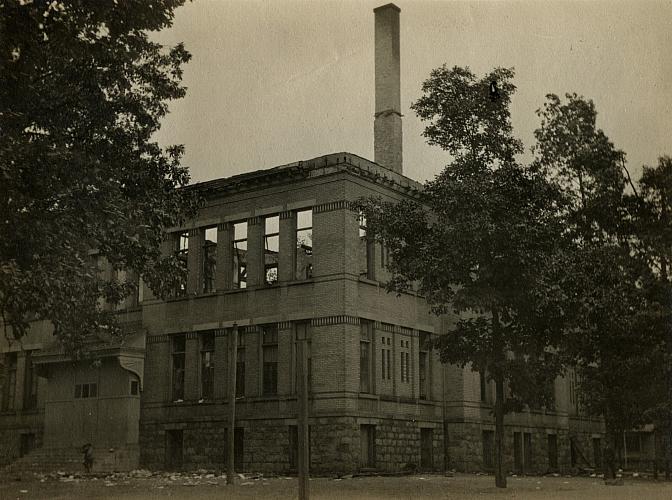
point(334, 447)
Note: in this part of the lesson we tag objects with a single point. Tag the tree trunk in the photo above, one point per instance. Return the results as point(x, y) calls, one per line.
point(498, 376)
point(609, 456)
point(500, 475)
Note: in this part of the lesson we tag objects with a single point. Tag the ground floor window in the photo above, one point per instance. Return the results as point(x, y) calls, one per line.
point(552, 451)
point(426, 448)
point(597, 452)
point(174, 449)
point(522, 452)
point(294, 447)
point(238, 447)
point(368, 445)
point(488, 449)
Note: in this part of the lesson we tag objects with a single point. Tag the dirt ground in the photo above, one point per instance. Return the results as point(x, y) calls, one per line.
point(211, 486)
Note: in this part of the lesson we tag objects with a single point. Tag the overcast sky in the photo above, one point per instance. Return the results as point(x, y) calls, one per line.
point(273, 82)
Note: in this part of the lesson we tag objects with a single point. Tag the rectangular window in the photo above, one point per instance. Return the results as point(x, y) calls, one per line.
point(365, 250)
point(365, 359)
point(552, 451)
point(386, 358)
point(240, 366)
point(303, 332)
point(86, 390)
point(270, 359)
point(597, 453)
point(304, 244)
point(135, 388)
point(240, 255)
point(182, 254)
point(488, 449)
point(422, 368)
point(209, 259)
point(633, 443)
point(404, 357)
point(174, 449)
point(178, 367)
point(271, 249)
point(207, 365)
point(368, 446)
point(426, 448)
point(9, 389)
point(30, 384)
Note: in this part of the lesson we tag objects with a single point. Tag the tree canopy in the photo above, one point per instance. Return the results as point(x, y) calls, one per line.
point(83, 88)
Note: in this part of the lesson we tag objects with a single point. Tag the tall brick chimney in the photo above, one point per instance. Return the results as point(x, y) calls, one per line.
point(387, 123)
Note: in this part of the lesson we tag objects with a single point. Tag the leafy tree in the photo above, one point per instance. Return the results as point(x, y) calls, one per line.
point(611, 326)
point(82, 90)
point(476, 241)
point(653, 243)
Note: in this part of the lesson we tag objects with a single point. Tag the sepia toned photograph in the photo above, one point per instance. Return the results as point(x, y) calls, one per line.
point(335, 249)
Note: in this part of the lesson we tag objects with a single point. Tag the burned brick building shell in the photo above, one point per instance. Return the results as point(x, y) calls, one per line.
point(280, 254)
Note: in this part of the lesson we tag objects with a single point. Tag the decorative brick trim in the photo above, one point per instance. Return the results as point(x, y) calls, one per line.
point(221, 332)
point(248, 329)
point(194, 232)
point(192, 335)
point(254, 221)
point(286, 215)
point(223, 226)
point(334, 320)
point(330, 207)
point(284, 325)
point(157, 339)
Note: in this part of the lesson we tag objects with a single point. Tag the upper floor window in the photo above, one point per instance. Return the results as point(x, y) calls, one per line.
point(423, 365)
point(365, 250)
point(271, 249)
point(182, 253)
point(304, 244)
point(240, 366)
point(209, 259)
point(240, 255)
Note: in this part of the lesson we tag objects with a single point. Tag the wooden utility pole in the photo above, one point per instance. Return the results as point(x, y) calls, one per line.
point(302, 428)
point(230, 443)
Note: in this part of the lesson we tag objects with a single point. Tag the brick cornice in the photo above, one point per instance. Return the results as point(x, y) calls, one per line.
point(157, 339)
point(335, 320)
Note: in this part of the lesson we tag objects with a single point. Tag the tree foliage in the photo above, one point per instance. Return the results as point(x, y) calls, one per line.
point(82, 90)
point(475, 243)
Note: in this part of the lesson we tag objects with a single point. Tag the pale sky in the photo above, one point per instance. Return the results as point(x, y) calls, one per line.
point(273, 82)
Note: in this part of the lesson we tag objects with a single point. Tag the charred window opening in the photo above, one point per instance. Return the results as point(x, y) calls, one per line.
point(271, 249)
point(365, 358)
point(182, 254)
point(270, 359)
point(240, 255)
point(240, 366)
point(365, 250)
point(304, 244)
point(178, 367)
point(209, 259)
point(207, 365)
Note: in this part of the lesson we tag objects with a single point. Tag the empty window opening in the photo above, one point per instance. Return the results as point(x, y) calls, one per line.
point(270, 359)
point(365, 250)
point(178, 367)
point(365, 358)
point(552, 451)
point(135, 388)
point(303, 332)
point(207, 365)
point(368, 446)
point(209, 259)
point(83, 391)
point(174, 449)
point(304, 244)
point(488, 449)
point(27, 444)
point(426, 448)
point(30, 384)
point(9, 387)
point(271, 249)
point(240, 255)
point(240, 366)
point(182, 254)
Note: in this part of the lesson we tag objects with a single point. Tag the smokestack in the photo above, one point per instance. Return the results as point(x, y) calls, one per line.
point(387, 123)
